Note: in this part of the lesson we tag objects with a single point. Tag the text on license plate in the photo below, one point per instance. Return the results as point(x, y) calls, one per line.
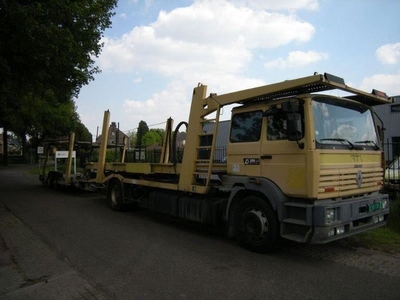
point(374, 206)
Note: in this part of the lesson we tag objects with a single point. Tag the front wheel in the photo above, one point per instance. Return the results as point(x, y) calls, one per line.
point(115, 195)
point(256, 224)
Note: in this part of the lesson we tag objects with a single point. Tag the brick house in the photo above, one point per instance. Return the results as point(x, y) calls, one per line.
point(113, 134)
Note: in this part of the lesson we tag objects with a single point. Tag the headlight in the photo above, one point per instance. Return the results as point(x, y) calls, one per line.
point(340, 230)
point(329, 215)
point(384, 203)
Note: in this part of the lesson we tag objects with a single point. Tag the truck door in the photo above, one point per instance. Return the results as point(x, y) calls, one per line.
point(244, 143)
point(282, 160)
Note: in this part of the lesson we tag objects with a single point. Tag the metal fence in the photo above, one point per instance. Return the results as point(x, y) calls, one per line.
point(392, 172)
point(153, 155)
point(392, 151)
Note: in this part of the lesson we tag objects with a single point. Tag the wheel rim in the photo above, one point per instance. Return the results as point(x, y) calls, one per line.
point(114, 195)
point(255, 224)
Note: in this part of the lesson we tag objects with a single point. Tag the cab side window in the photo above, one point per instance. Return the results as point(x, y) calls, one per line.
point(277, 117)
point(277, 126)
point(246, 127)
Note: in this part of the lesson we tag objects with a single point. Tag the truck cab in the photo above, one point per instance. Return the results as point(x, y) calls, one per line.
point(319, 155)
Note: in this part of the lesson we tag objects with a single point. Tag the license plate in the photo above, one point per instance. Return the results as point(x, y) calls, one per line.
point(374, 207)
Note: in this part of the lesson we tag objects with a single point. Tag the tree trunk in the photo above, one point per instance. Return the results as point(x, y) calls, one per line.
point(5, 146)
point(24, 150)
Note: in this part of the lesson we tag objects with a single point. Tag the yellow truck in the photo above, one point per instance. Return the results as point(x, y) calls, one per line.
point(301, 163)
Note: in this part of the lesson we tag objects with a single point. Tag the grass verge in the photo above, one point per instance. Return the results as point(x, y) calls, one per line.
point(37, 171)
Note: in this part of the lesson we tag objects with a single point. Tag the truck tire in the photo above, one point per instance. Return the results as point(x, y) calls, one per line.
point(50, 180)
point(115, 195)
point(256, 225)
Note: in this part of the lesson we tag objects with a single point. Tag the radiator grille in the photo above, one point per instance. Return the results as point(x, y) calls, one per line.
point(344, 180)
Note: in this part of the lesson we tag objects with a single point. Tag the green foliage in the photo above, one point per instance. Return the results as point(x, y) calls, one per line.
point(141, 131)
point(154, 136)
point(149, 138)
point(82, 133)
point(132, 139)
point(144, 136)
point(160, 133)
point(394, 219)
point(111, 156)
point(46, 56)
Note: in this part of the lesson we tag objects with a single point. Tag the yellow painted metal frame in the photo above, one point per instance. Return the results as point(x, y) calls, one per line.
point(203, 106)
point(69, 160)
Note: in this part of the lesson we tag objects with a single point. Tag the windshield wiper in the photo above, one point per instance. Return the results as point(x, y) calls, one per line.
point(369, 142)
point(340, 140)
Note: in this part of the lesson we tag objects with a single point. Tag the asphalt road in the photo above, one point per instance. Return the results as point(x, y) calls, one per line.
point(139, 255)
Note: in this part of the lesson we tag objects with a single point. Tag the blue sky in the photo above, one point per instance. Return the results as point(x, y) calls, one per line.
point(158, 50)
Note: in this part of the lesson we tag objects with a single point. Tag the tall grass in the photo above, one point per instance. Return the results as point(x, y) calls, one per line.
point(394, 217)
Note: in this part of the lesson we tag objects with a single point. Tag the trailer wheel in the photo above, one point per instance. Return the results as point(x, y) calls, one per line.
point(51, 180)
point(256, 224)
point(115, 195)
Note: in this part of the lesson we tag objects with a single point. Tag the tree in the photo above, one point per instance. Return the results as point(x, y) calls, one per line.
point(142, 130)
point(82, 133)
point(46, 55)
point(159, 133)
point(150, 138)
point(132, 138)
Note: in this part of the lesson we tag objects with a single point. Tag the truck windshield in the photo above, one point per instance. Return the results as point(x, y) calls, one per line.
point(343, 124)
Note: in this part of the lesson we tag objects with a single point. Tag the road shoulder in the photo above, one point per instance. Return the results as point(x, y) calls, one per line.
point(30, 269)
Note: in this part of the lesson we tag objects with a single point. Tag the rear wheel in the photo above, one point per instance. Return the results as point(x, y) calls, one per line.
point(256, 224)
point(52, 179)
point(115, 195)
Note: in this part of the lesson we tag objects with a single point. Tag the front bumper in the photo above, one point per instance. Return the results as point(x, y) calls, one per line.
point(350, 217)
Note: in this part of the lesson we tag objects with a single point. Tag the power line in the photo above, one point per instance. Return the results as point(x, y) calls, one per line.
point(147, 126)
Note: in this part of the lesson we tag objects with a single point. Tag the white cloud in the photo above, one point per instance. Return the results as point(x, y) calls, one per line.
point(174, 100)
point(209, 41)
point(147, 3)
point(222, 24)
point(389, 53)
point(123, 16)
point(297, 59)
point(280, 4)
point(388, 83)
point(171, 102)
point(137, 80)
point(208, 36)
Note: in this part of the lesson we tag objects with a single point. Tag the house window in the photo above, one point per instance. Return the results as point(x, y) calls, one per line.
point(395, 108)
point(395, 146)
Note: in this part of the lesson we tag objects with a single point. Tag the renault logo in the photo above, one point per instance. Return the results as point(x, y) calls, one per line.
point(359, 178)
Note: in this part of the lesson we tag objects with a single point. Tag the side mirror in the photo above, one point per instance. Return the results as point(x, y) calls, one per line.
point(294, 129)
point(290, 106)
point(271, 111)
point(381, 133)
